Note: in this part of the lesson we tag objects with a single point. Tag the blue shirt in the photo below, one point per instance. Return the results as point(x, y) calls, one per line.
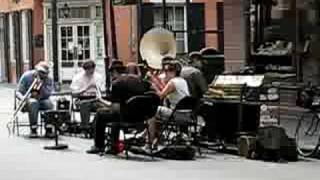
point(26, 81)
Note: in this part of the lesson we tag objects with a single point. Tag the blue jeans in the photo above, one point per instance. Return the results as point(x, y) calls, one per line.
point(34, 106)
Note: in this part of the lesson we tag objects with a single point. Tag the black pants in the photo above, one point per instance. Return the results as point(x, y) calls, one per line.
point(103, 117)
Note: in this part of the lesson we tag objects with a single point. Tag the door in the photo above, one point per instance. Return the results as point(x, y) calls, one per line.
point(74, 48)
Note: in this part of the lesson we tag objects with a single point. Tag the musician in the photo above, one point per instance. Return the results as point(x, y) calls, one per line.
point(193, 75)
point(132, 68)
point(84, 86)
point(39, 99)
point(175, 90)
point(123, 87)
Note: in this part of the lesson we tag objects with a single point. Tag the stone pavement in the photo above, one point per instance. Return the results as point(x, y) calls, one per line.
point(25, 159)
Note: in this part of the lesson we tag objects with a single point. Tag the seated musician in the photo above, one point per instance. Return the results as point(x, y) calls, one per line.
point(39, 99)
point(123, 87)
point(83, 86)
point(175, 90)
point(132, 68)
point(192, 74)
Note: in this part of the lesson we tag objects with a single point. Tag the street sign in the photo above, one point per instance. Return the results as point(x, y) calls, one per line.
point(123, 2)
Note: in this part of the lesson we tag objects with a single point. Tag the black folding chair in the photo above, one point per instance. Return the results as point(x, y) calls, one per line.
point(134, 115)
point(18, 123)
point(182, 121)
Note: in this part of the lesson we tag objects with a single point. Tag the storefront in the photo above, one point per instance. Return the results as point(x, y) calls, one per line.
point(80, 35)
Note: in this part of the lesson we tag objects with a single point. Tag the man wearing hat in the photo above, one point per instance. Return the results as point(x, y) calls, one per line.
point(123, 87)
point(84, 86)
point(39, 99)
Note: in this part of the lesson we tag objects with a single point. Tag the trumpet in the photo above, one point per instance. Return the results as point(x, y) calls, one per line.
point(32, 92)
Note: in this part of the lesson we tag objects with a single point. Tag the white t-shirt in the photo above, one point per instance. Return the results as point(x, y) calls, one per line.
point(81, 80)
point(181, 91)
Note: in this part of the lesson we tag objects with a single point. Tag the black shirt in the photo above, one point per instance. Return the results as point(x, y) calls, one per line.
point(127, 86)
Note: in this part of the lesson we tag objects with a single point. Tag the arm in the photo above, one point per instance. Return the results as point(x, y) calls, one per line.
point(169, 88)
point(201, 82)
point(47, 88)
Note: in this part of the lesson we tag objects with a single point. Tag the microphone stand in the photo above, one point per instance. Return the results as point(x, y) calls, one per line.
point(56, 122)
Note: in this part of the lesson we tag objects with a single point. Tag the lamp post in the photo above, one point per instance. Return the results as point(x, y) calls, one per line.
point(55, 41)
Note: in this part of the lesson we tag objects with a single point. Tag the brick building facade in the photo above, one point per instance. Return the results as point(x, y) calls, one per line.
point(25, 31)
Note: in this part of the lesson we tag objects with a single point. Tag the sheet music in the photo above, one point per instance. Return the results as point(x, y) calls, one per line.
point(250, 80)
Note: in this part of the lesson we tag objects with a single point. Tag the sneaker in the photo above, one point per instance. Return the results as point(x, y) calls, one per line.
point(94, 150)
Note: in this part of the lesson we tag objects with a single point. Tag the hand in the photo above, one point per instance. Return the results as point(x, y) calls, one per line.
point(35, 94)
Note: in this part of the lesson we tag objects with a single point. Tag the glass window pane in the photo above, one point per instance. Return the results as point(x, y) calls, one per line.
point(63, 43)
point(86, 43)
point(70, 55)
point(64, 55)
point(180, 46)
point(87, 54)
point(69, 31)
point(63, 31)
point(86, 30)
point(80, 55)
point(80, 32)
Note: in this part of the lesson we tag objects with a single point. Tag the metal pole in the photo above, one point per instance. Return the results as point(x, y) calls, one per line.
point(139, 28)
point(297, 41)
point(55, 41)
point(188, 22)
point(106, 51)
point(164, 13)
point(113, 31)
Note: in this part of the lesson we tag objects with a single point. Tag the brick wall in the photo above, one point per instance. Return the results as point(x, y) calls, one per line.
point(126, 29)
point(9, 5)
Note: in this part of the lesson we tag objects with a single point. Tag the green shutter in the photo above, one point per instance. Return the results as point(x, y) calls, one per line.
point(196, 37)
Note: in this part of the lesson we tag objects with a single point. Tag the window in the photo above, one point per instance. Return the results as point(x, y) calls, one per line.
point(83, 42)
point(99, 41)
point(75, 43)
point(175, 23)
point(76, 12)
point(66, 41)
point(98, 11)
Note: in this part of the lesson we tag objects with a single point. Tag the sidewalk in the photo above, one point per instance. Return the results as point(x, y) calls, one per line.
point(25, 159)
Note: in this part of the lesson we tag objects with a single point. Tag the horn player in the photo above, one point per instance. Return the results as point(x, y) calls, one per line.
point(40, 93)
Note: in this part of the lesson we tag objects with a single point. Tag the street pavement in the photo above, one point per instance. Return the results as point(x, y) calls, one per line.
point(25, 159)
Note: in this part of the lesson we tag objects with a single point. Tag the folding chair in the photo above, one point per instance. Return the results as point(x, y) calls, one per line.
point(182, 121)
point(17, 123)
point(134, 115)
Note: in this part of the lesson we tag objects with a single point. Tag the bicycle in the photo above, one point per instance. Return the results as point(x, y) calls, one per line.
point(307, 132)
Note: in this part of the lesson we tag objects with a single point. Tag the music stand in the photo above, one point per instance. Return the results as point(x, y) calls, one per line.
point(56, 120)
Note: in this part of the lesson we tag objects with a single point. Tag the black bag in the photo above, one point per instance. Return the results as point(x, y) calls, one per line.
point(274, 144)
point(178, 152)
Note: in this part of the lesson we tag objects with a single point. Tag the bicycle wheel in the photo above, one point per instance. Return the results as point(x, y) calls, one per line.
point(307, 134)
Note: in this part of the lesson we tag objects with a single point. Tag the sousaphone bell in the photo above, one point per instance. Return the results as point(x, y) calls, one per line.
point(156, 44)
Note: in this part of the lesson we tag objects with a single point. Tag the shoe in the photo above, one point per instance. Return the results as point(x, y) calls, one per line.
point(33, 133)
point(111, 151)
point(94, 150)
